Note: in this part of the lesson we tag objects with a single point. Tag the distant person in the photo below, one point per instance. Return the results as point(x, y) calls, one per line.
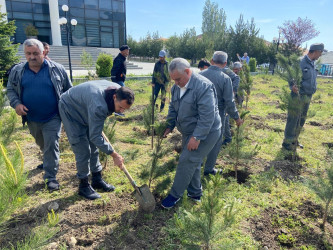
point(118, 71)
point(193, 109)
point(244, 58)
point(46, 50)
point(226, 104)
point(161, 78)
point(296, 119)
point(203, 64)
point(84, 110)
point(34, 89)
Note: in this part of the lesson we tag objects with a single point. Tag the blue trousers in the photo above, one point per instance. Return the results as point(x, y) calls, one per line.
point(157, 88)
point(121, 83)
point(47, 136)
point(188, 174)
point(296, 118)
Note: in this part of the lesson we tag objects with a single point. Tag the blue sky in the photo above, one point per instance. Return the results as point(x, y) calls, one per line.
point(170, 17)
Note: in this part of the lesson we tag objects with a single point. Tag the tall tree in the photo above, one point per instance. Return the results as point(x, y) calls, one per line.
point(296, 33)
point(8, 50)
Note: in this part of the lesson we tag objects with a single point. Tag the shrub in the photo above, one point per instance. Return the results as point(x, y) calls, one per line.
point(253, 64)
point(104, 65)
point(30, 30)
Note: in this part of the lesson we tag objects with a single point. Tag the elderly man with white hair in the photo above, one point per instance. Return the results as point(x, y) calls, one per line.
point(226, 103)
point(193, 109)
point(34, 89)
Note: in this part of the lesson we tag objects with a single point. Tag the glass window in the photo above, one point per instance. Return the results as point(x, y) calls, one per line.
point(41, 8)
point(41, 17)
point(76, 3)
point(93, 36)
point(118, 16)
point(22, 15)
point(106, 40)
point(62, 2)
point(22, 7)
point(105, 5)
point(105, 23)
point(26, 1)
point(42, 24)
point(92, 22)
point(79, 36)
point(40, 1)
point(106, 29)
point(8, 6)
point(76, 12)
point(91, 4)
point(9, 15)
point(118, 6)
point(93, 14)
point(105, 15)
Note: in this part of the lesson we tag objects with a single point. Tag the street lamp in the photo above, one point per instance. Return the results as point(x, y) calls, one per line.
point(277, 41)
point(68, 28)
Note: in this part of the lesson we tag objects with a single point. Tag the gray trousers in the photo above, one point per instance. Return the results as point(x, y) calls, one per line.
point(188, 174)
point(47, 136)
point(227, 132)
point(86, 153)
point(296, 119)
point(213, 154)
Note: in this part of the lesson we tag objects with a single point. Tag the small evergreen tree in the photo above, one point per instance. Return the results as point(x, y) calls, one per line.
point(109, 131)
point(8, 50)
point(245, 84)
point(104, 65)
point(323, 187)
point(87, 63)
point(204, 223)
point(253, 64)
point(147, 118)
point(292, 73)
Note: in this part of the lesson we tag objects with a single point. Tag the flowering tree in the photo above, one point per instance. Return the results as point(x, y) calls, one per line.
point(296, 33)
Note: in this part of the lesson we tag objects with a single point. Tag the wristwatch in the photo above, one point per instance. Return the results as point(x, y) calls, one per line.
point(198, 140)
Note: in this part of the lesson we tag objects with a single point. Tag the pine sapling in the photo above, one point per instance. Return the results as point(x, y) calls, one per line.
point(109, 131)
point(245, 84)
point(147, 118)
point(323, 187)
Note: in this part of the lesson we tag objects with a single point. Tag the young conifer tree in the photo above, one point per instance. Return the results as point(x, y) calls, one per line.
point(245, 84)
point(292, 73)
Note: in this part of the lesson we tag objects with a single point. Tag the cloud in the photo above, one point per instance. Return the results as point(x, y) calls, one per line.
point(268, 20)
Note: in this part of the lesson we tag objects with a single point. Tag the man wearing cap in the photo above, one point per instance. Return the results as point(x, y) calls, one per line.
point(161, 78)
point(308, 87)
point(118, 71)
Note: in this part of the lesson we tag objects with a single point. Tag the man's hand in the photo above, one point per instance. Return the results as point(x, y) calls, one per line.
point(21, 109)
point(294, 89)
point(166, 132)
point(239, 122)
point(193, 144)
point(117, 159)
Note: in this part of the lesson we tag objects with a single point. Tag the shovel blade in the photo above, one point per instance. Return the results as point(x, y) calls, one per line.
point(145, 199)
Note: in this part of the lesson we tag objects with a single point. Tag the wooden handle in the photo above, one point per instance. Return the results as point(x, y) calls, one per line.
point(125, 170)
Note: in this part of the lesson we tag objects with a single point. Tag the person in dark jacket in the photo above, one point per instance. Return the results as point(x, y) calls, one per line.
point(161, 78)
point(34, 89)
point(296, 120)
point(118, 71)
point(83, 111)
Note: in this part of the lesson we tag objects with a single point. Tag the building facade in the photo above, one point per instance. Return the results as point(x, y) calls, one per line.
point(100, 23)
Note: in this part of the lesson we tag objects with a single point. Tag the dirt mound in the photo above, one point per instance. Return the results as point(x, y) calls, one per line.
point(176, 140)
point(275, 116)
point(288, 170)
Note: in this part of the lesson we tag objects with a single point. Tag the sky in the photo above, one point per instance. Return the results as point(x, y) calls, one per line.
point(170, 17)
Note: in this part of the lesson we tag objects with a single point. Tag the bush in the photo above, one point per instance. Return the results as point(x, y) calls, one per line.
point(253, 64)
point(104, 65)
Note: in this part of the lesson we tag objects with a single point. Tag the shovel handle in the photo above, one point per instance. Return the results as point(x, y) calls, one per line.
point(125, 170)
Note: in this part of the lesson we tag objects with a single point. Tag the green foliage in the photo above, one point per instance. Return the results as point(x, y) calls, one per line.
point(203, 224)
point(30, 30)
point(291, 70)
point(110, 132)
point(253, 64)
point(322, 185)
point(52, 218)
point(147, 117)
point(87, 63)
point(104, 65)
point(286, 240)
point(148, 46)
point(8, 50)
point(245, 85)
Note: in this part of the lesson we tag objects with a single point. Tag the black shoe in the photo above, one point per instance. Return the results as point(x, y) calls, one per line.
point(214, 172)
point(53, 185)
point(194, 198)
point(97, 182)
point(226, 142)
point(40, 166)
point(87, 191)
point(287, 146)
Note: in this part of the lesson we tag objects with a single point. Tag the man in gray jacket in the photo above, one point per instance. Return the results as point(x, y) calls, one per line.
point(295, 121)
point(34, 89)
point(226, 103)
point(83, 110)
point(193, 109)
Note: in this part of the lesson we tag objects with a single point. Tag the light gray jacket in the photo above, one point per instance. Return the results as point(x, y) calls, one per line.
point(309, 77)
point(224, 91)
point(59, 78)
point(234, 78)
point(196, 112)
point(87, 109)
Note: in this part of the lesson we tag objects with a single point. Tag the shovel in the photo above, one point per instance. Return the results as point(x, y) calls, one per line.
point(142, 194)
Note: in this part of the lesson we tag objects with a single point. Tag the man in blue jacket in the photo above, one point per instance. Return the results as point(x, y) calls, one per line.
point(34, 89)
point(193, 109)
point(295, 121)
point(83, 111)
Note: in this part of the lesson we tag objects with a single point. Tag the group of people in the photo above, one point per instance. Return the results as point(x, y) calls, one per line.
point(201, 103)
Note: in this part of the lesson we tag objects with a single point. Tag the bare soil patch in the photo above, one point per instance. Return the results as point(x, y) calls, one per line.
point(287, 170)
point(275, 116)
